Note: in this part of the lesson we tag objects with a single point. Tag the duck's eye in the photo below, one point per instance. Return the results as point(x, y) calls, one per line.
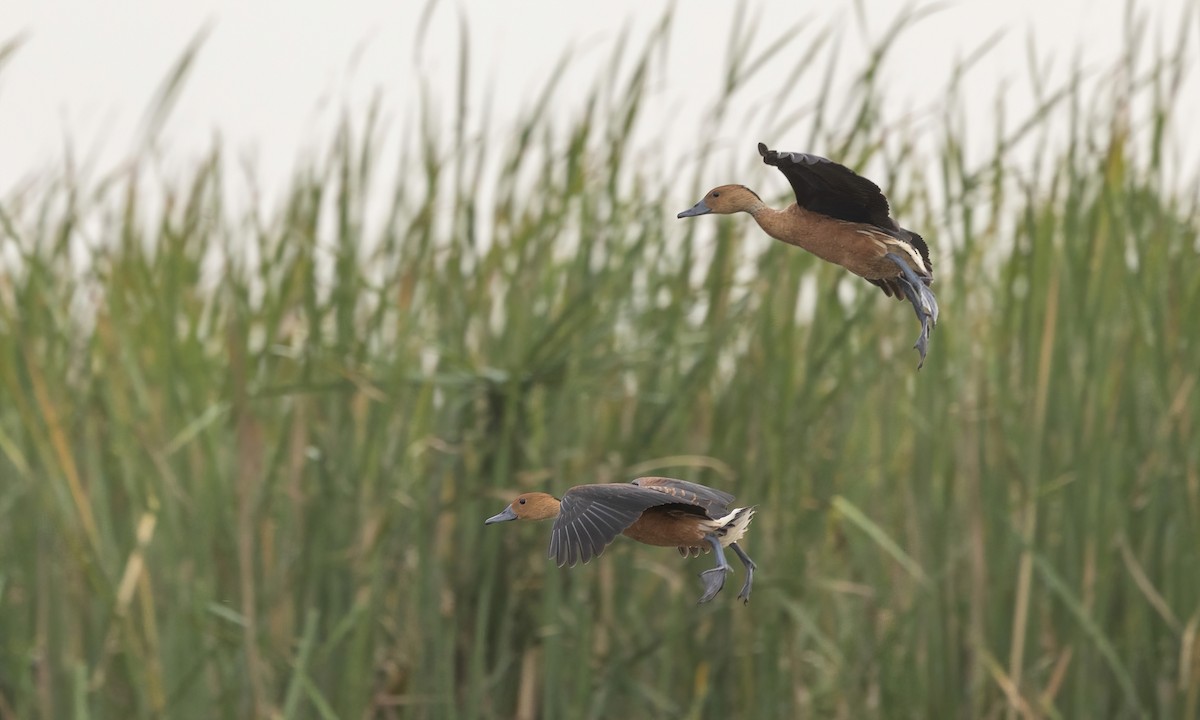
point(716, 194)
point(522, 501)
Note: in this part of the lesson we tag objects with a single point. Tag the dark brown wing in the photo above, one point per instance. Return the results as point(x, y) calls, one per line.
point(713, 502)
point(592, 516)
point(832, 189)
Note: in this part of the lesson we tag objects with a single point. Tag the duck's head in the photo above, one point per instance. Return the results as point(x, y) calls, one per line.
point(724, 200)
point(528, 506)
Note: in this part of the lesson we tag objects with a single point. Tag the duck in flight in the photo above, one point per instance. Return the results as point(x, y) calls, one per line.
point(651, 510)
point(843, 218)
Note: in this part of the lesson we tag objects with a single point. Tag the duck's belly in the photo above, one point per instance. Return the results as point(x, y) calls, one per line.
point(667, 528)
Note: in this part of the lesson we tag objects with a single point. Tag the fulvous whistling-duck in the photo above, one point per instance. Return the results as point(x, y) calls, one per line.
point(651, 510)
point(843, 218)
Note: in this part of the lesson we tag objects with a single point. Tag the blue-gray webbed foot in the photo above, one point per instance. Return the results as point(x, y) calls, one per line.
point(714, 579)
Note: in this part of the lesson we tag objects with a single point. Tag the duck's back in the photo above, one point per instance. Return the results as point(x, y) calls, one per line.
point(712, 502)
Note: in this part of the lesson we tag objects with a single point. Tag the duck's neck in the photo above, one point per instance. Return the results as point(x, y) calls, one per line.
point(773, 222)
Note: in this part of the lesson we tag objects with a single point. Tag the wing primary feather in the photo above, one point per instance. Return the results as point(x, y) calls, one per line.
point(558, 547)
point(598, 540)
point(577, 546)
point(568, 546)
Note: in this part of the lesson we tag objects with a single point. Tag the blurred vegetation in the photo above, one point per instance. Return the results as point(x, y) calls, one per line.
point(246, 456)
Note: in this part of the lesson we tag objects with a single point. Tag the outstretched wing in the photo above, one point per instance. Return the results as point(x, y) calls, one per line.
point(590, 517)
point(713, 502)
point(832, 189)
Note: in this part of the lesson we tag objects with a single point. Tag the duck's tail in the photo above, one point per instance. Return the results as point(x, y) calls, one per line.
point(732, 527)
point(728, 529)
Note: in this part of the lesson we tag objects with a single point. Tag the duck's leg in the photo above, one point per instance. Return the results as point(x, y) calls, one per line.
point(714, 579)
point(744, 595)
point(923, 301)
point(927, 303)
point(922, 343)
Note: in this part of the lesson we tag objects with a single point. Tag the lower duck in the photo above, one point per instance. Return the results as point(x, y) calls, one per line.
point(651, 510)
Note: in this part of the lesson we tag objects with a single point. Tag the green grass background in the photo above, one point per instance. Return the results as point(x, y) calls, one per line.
point(245, 456)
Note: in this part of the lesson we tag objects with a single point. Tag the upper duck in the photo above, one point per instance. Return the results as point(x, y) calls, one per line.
point(843, 218)
point(651, 510)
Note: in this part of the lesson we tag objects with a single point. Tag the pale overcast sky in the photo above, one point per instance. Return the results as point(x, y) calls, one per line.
point(273, 74)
